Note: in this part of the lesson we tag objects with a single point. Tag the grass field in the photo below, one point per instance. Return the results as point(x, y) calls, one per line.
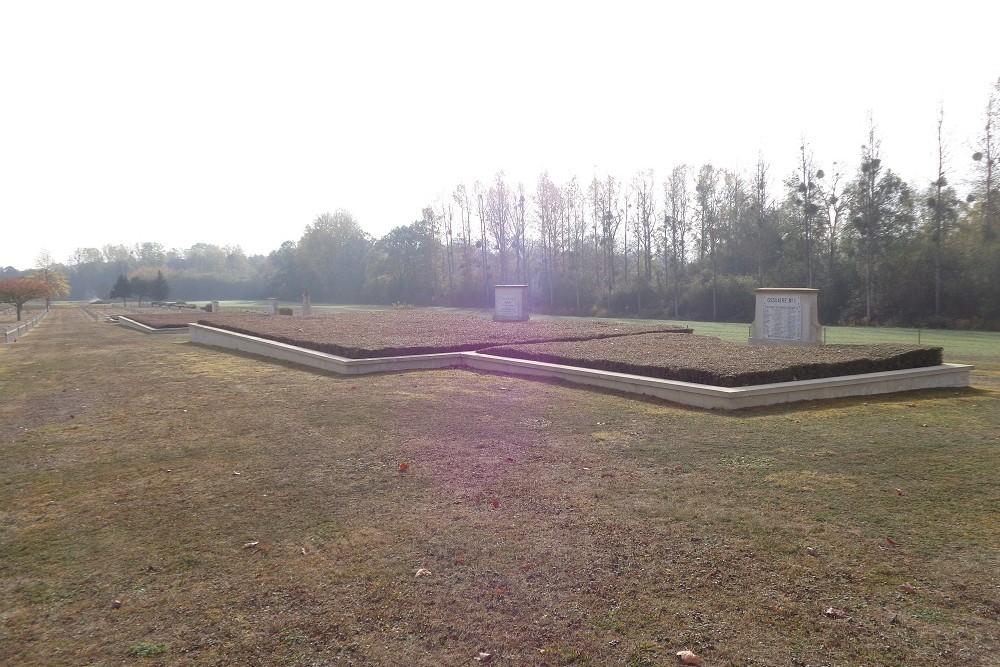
point(163, 503)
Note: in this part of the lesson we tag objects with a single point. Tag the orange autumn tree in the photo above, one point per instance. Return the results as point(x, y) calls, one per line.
point(19, 291)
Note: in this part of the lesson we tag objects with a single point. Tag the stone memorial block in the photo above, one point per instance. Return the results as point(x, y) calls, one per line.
point(215, 306)
point(510, 303)
point(272, 306)
point(306, 305)
point(786, 316)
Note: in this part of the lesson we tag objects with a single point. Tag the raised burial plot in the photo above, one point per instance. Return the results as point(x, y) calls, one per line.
point(392, 346)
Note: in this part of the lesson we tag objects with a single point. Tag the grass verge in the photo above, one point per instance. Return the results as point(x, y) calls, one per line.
point(245, 512)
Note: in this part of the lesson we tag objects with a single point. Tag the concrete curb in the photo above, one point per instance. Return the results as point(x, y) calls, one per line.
point(136, 326)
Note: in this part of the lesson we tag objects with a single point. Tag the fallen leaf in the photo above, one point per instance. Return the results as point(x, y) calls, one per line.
point(812, 552)
point(403, 467)
point(889, 542)
point(688, 658)
point(303, 551)
point(678, 468)
point(509, 458)
point(423, 572)
point(484, 657)
point(833, 612)
point(499, 591)
point(116, 604)
point(908, 588)
point(900, 492)
point(251, 545)
point(495, 502)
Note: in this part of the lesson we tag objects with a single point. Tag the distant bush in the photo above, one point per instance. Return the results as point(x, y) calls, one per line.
point(284, 311)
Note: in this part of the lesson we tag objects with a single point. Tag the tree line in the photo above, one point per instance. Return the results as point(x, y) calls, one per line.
point(693, 244)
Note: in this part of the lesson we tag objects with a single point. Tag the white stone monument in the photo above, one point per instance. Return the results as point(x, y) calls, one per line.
point(306, 305)
point(786, 316)
point(510, 303)
point(215, 307)
point(272, 306)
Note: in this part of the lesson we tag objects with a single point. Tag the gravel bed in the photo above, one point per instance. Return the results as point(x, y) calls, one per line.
point(708, 360)
point(390, 333)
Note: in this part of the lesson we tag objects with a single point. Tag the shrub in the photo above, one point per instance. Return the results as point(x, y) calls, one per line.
point(284, 311)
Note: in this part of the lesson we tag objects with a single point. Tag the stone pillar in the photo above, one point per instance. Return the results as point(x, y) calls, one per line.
point(510, 303)
point(215, 306)
point(306, 305)
point(272, 306)
point(786, 316)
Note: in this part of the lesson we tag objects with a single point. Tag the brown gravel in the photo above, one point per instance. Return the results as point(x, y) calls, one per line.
point(708, 360)
point(389, 333)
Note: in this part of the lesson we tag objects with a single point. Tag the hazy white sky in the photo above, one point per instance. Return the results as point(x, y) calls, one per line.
point(239, 122)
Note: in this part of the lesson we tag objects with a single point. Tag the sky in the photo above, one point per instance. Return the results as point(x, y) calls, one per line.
point(238, 123)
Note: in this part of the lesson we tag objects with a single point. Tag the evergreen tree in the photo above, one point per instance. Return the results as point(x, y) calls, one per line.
point(122, 289)
point(159, 289)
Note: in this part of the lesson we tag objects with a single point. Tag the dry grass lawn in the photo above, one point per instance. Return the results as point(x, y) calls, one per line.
point(245, 512)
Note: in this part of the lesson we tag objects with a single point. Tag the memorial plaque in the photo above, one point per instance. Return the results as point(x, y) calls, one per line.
point(783, 318)
point(508, 305)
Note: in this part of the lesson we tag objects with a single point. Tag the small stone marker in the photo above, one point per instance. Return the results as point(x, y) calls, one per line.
point(510, 303)
point(786, 316)
point(306, 305)
point(272, 306)
point(215, 306)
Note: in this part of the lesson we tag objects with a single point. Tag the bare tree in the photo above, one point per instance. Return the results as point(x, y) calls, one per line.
point(461, 197)
point(498, 217)
point(483, 242)
point(761, 211)
point(986, 159)
point(941, 204)
point(834, 207)
point(675, 230)
point(576, 224)
point(447, 216)
point(550, 215)
point(807, 189)
point(707, 193)
point(520, 241)
point(878, 201)
point(645, 222)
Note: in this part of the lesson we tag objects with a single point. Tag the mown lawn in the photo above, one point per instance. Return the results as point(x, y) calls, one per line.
point(246, 512)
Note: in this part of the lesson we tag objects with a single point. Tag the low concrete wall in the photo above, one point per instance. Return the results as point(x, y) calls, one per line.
point(329, 362)
point(734, 398)
point(132, 324)
point(685, 393)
